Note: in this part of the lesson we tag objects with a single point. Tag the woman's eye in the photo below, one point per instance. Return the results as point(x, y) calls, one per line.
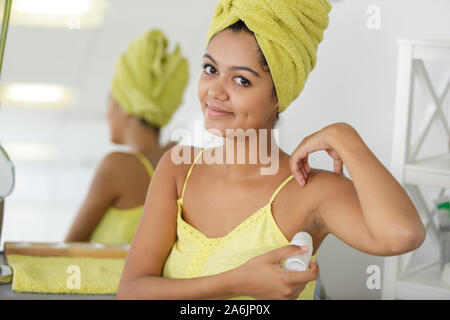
point(242, 81)
point(209, 69)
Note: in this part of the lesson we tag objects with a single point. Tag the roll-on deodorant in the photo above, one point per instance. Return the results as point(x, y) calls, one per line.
point(300, 262)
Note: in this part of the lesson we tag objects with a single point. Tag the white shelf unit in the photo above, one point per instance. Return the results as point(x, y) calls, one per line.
point(400, 279)
point(421, 285)
point(432, 171)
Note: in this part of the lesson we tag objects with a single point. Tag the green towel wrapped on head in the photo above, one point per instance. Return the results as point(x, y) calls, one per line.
point(288, 33)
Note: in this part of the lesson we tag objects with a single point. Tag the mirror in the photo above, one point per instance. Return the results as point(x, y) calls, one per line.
point(57, 71)
point(7, 174)
point(7, 178)
point(6, 187)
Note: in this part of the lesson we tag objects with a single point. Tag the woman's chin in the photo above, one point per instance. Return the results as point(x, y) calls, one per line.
point(215, 131)
point(219, 123)
point(115, 140)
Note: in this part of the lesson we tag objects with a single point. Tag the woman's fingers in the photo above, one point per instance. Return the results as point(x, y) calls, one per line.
point(308, 168)
point(277, 255)
point(313, 266)
point(304, 175)
point(305, 166)
point(299, 164)
point(306, 276)
point(299, 158)
point(338, 166)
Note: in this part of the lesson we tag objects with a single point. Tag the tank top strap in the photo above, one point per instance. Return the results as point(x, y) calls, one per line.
point(189, 173)
point(147, 164)
point(280, 187)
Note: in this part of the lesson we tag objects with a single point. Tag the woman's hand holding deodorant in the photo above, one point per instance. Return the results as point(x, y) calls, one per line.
point(263, 276)
point(300, 262)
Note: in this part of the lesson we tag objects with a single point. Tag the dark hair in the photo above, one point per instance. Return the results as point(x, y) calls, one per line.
point(144, 122)
point(241, 26)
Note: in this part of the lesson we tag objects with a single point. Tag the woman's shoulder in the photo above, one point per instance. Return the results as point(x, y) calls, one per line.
point(320, 185)
point(323, 185)
point(326, 180)
point(177, 161)
point(113, 170)
point(115, 158)
point(123, 166)
point(180, 156)
point(319, 180)
point(119, 160)
point(328, 187)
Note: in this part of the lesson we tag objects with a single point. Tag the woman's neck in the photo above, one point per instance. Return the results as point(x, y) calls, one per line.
point(251, 155)
point(146, 141)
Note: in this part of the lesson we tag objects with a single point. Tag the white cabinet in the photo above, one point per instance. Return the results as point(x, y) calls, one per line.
point(401, 279)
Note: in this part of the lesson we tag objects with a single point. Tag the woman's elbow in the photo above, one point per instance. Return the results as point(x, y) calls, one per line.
point(121, 294)
point(123, 291)
point(137, 288)
point(410, 240)
point(418, 237)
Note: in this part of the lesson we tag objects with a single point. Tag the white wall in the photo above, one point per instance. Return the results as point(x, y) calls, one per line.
point(354, 82)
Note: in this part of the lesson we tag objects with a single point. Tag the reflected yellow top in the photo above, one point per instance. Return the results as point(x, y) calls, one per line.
point(119, 225)
point(195, 255)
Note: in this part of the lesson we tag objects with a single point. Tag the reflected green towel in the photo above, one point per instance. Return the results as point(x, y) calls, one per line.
point(149, 80)
point(79, 275)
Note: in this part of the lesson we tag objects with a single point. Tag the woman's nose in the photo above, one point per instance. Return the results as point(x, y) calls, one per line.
point(217, 91)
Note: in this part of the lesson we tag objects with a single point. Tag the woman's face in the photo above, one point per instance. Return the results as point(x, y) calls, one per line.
point(116, 118)
point(234, 81)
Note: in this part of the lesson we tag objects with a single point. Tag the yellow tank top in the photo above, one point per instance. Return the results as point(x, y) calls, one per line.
point(195, 255)
point(119, 225)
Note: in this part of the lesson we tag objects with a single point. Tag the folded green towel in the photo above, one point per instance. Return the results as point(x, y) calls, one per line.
point(75, 275)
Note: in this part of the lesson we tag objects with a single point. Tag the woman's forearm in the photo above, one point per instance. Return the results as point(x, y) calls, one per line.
point(220, 286)
point(77, 233)
point(388, 211)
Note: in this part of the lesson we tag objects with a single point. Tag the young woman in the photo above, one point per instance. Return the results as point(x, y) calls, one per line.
point(146, 90)
point(222, 230)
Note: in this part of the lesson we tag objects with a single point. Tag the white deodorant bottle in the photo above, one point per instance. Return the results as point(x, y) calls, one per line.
point(300, 262)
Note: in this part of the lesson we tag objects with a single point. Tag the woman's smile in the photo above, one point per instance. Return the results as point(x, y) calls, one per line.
point(217, 112)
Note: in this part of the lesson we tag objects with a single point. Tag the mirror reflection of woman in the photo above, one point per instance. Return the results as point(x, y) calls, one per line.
point(146, 90)
point(221, 231)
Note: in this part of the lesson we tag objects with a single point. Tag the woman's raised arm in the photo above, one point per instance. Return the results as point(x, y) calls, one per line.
point(372, 212)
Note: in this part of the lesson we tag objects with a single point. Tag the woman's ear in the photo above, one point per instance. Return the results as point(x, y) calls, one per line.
point(276, 106)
